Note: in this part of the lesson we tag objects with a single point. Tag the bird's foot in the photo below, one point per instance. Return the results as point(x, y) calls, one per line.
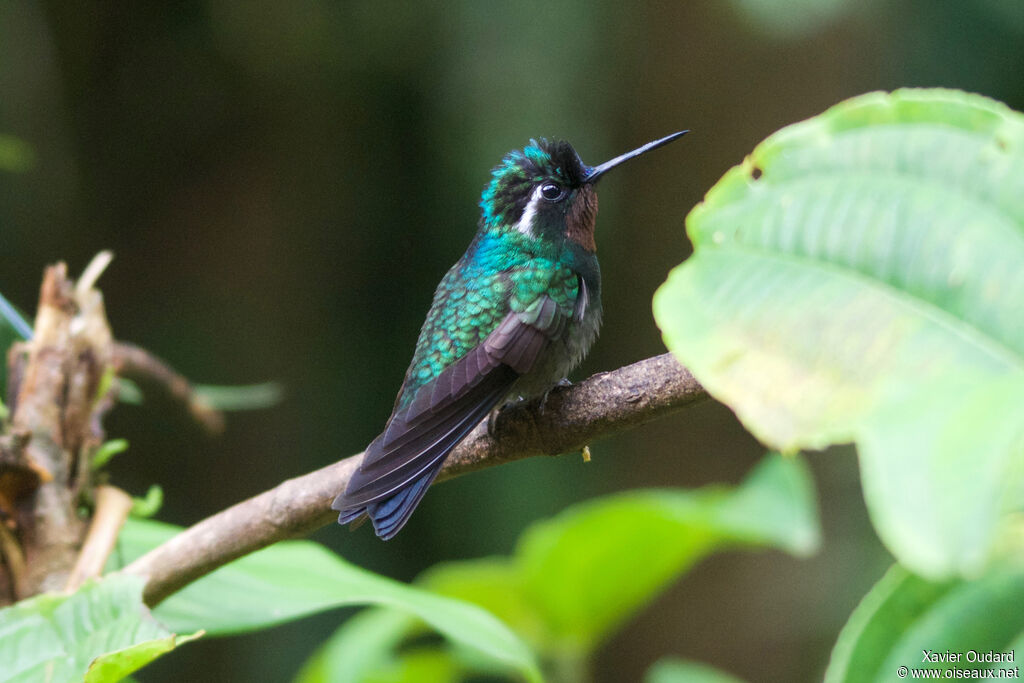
point(494, 415)
point(561, 384)
point(492, 422)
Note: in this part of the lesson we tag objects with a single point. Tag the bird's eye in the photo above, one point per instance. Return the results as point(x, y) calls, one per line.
point(551, 192)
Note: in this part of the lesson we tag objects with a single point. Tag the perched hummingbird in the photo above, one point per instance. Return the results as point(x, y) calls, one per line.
point(511, 318)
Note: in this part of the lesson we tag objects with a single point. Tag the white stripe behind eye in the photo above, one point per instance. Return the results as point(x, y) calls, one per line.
point(525, 224)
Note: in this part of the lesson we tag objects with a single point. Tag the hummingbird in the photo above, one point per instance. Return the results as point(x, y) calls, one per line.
point(509, 320)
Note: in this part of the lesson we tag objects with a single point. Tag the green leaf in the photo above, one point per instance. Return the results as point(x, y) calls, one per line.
point(413, 666)
point(365, 643)
point(115, 666)
point(108, 450)
point(496, 584)
point(128, 391)
point(905, 615)
point(578, 572)
point(242, 397)
point(860, 277)
point(150, 504)
point(576, 577)
point(293, 579)
point(793, 18)
point(673, 670)
point(417, 666)
point(368, 647)
point(102, 632)
point(214, 397)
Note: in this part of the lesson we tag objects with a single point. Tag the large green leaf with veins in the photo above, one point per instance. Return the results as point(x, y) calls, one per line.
point(293, 579)
point(860, 278)
point(98, 634)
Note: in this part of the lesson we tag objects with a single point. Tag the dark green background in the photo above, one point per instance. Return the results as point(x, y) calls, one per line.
point(284, 183)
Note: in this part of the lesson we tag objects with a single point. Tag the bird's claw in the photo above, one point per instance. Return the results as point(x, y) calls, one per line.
point(492, 422)
point(561, 384)
point(492, 417)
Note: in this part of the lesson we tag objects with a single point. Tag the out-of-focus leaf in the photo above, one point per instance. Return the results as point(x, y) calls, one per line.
point(215, 397)
point(242, 397)
point(293, 579)
point(593, 566)
point(108, 450)
point(672, 670)
point(364, 644)
point(100, 633)
point(367, 648)
point(495, 583)
point(150, 504)
point(128, 392)
point(418, 666)
point(577, 576)
point(860, 277)
point(794, 18)
point(904, 616)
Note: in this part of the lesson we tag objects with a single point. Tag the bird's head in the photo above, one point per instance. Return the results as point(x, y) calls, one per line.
point(545, 192)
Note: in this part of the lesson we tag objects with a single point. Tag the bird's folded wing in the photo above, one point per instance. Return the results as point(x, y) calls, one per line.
point(424, 431)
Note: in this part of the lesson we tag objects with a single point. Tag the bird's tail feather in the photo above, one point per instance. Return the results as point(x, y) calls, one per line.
point(390, 514)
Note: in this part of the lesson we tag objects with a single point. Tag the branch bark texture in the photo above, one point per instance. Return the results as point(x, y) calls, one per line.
point(55, 424)
point(571, 418)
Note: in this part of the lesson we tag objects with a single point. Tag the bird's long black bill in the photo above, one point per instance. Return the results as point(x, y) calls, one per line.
point(599, 171)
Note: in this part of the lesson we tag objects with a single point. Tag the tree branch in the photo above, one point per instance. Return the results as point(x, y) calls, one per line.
point(137, 363)
point(112, 508)
point(570, 419)
point(55, 426)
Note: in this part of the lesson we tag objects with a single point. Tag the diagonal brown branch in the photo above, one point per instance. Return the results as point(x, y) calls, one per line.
point(570, 419)
point(134, 362)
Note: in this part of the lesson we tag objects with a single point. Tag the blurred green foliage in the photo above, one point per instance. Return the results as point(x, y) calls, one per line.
point(577, 577)
point(568, 586)
point(107, 450)
point(905, 616)
point(671, 670)
point(789, 19)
